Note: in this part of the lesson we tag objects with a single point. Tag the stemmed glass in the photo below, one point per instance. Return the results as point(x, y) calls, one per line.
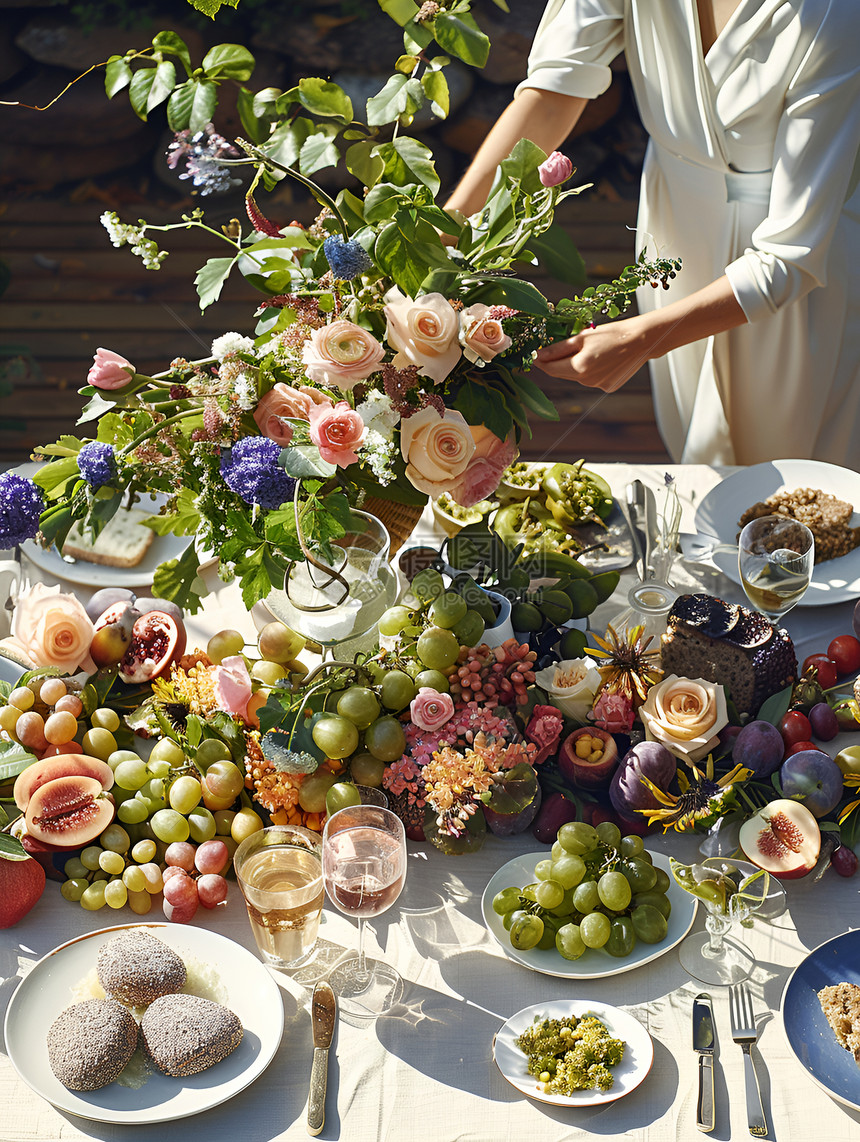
point(364, 869)
point(733, 892)
point(775, 558)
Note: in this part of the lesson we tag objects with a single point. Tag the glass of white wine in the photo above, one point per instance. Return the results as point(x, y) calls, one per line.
point(775, 558)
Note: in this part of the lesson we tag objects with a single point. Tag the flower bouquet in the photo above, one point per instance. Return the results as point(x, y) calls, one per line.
point(388, 356)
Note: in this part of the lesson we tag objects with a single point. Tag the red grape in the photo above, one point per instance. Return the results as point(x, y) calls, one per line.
point(800, 747)
point(211, 890)
point(180, 854)
point(794, 727)
point(171, 871)
point(179, 913)
point(211, 857)
point(844, 860)
point(845, 652)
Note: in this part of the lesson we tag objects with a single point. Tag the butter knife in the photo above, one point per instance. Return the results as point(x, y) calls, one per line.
point(323, 1018)
point(704, 1043)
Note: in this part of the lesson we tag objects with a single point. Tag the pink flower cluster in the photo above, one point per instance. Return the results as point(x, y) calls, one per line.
point(544, 730)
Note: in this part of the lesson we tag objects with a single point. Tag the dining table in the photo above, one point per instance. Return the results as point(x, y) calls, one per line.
point(426, 1069)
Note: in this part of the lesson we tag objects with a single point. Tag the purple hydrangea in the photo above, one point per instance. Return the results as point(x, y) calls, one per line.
point(97, 464)
point(21, 504)
point(347, 259)
point(251, 470)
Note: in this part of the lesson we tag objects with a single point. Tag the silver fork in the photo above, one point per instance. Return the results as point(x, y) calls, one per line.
point(745, 1034)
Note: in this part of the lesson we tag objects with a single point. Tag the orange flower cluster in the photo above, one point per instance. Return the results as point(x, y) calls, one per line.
point(278, 792)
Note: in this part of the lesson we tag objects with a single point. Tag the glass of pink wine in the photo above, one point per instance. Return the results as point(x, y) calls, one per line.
point(364, 870)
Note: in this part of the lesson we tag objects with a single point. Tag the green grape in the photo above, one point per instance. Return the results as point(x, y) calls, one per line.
point(435, 679)
point(595, 929)
point(75, 868)
point(577, 838)
point(585, 896)
point(613, 888)
point(169, 826)
point(116, 894)
point(133, 811)
point(211, 750)
point(569, 941)
point(105, 719)
point(159, 769)
point(139, 902)
point(549, 894)
point(566, 907)
point(112, 862)
point(314, 790)
point(662, 883)
point(166, 749)
point(131, 774)
point(397, 690)
point(392, 621)
point(609, 834)
point(336, 736)
point(529, 891)
point(427, 584)
point(557, 852)
point(90, 857)
point(115, 838)
point(93, 896)
point(201, 825)
point(185, 794)
point(365, 769)
point(120, 755)
point(99, 743)
point(641, 875)
point(360, 706)
point(74, 888)
point(551, 925)
point(385, 739)
point(438, 648)
point(133, 879)
point(543, 870)
point(506, 901)
point(469, 631)
point(224, 644)
point(622, 937)
point(526, 931)
point(510, 918)
point(631, 845)
point(649, 924)
point(341, 795)
point(568, 870)
point(655, 899)
point(448, 609)
point(144, 851)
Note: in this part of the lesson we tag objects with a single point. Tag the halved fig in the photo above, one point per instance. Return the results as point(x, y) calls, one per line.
point(64, 765)
point(69, 811)
point(112, 633)
point(588, 757)
point(157, 639)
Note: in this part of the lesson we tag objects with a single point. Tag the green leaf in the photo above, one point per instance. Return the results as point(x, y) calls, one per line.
point(13, 759)
point(481, 406)
point(94, 408)
point(254, 121)
point(210, 279)
point(175, 579)
point(318, 151)
point(260, 574)
point(183, 520)
point(401, 11)
point(229, 61)
point(117, 76)
point(558, 255)
point(436, 89)
point(364, 162)
point(401, 96)
point(304, 461)
point(406, 64)
point(459, 35)
point(772, 709)
point(53, 475)
point(533, 397)
point(163, 83)
point(509, 291)
point(325, 99)
point(139, 89)
point(352, 209)
point(409, 251)
point(382, 201)
point(285, 142)
point(192, 105)
point(12, 849)
point(211, 8)
point(173, 43)
point(407, 161)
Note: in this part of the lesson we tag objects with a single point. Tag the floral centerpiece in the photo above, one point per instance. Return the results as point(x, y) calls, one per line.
point(390, 350)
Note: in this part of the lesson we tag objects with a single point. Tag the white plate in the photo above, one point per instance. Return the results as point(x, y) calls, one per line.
point(47, 990)
point(630, 1072)
point(834, 580)
point(594, 962)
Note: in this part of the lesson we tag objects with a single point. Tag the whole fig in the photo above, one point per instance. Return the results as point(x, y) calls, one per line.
point(627, 792)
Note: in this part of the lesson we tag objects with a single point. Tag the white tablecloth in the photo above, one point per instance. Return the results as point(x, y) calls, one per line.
point(426, 1071)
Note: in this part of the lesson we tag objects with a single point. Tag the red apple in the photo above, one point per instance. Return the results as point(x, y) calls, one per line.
point(782, 838)
point(588, 758)
point(21, 884)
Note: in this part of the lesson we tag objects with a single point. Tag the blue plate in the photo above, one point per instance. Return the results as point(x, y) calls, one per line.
point(809, 1035)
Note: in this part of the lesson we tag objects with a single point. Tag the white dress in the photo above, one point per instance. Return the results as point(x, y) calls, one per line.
point(751, 171)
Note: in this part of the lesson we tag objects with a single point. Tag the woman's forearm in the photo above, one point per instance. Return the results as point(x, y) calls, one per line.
point(544, 117)
point(710, 310)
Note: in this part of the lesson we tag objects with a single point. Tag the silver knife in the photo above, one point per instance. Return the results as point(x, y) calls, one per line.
point(323, 1018)
point(634, 512)
point(704, 1044)
point(651, 529)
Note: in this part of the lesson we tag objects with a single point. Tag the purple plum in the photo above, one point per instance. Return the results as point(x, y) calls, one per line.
point(759, 747)
point(825, 724)
point(814, 778)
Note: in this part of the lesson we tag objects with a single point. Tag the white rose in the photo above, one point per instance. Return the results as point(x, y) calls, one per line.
point(571, 686)
point(424, 332)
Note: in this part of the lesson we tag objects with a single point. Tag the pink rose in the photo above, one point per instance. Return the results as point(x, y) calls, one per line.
point(282, 404)
point(544, 729)
point(483, 337)
point(50, 628)
point(424, 332)
point(109, 370)
point(337, 431)
point(436, 449)
point(613, 713)
point(555, 170)
point(341, 354)
point(430, 710)
point(482, 474)
point(232, 686)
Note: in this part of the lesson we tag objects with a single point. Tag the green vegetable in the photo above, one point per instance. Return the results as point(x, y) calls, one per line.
point(572, 1054)
point(576, 495)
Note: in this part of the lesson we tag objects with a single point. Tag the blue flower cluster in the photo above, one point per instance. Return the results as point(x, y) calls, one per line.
point(347, 259)
point(21, 504)
point(251, 470)
point(97, 464)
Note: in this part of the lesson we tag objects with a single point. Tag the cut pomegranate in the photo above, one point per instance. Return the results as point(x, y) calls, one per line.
point(157, 639)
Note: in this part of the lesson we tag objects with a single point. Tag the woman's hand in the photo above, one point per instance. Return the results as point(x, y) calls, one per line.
point(605, 357)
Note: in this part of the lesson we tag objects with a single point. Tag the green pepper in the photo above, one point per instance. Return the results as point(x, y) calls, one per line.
point(575, 494)
point(529, 524)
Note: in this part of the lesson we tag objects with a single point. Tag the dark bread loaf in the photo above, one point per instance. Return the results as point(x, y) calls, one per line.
point(730, 645)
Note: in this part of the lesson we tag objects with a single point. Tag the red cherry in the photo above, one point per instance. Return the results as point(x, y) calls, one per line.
point(799, 747)
point(844, 861)
point(794, 727)
point(845, 652)
point(823, 669)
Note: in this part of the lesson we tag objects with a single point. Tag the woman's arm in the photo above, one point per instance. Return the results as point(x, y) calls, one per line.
point(544, 117)
point(607, 356)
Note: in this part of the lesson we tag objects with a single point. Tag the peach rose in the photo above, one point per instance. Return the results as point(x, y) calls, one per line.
point(424, 333)
point(341, 354)
point(109, 370)
point(429, 710)
point(484, 471)
point(482, 337)
point(436, 449)
point(282, 404)
point(51, 628)
point(337, 431)
point(685, 715)
point(232, 686)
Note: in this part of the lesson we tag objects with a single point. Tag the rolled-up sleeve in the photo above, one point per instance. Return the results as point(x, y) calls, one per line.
point(813, 173)
point(574, 45)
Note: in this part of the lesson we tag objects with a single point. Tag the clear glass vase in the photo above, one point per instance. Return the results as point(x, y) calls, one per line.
point(648, 605)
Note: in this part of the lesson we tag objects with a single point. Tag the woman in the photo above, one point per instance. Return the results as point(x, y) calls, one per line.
point(753, 112)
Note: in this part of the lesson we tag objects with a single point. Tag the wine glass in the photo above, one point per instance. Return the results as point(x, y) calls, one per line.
point(733, 892)
point(775, 557)
point(364, 869)
point(331, 605)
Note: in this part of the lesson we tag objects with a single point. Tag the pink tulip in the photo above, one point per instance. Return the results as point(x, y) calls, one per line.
point(555, 170)
point(109, 370)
